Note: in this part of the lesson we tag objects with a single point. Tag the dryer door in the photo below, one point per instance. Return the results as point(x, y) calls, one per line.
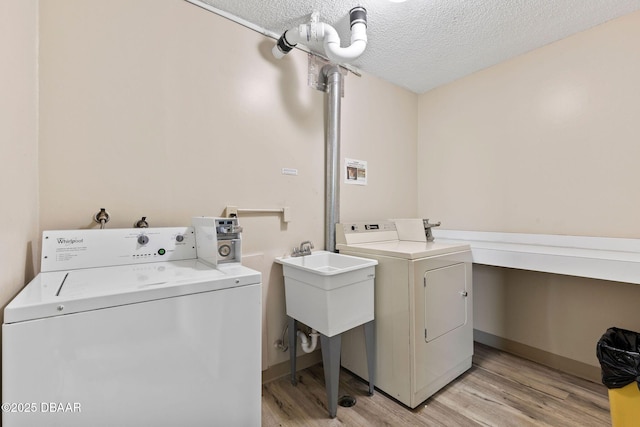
point(445, 300)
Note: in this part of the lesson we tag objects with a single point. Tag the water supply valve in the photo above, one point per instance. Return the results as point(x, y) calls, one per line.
point(141, 223)
point(101, 217)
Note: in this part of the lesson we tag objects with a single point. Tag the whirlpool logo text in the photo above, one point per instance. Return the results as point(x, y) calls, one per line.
point(67, 242)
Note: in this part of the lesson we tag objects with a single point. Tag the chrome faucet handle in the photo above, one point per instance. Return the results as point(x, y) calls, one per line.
point(427, 224)
point(305, 248)
point(427, 229)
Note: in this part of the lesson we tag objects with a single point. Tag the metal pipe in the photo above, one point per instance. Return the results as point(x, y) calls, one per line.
point(332, 147)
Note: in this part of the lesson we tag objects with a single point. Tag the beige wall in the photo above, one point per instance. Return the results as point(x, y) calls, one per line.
point(379, 125)
point(544, 143)
point(18, 145)
point(162, 109)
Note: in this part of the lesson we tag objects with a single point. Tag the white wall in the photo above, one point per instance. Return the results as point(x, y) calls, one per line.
point(544, 143)
point(162, 109)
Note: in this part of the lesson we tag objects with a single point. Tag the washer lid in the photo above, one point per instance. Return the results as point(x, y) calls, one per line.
point(406, 249)
point(64, 292)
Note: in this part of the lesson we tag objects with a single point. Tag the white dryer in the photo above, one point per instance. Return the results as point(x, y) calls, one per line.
point(128, 327)
point(423, 308)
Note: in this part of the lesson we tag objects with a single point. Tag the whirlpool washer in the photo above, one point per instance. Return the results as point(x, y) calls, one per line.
point(423, 308)
point(128, 327)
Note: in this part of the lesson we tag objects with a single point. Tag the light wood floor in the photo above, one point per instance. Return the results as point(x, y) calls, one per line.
point(499, 390)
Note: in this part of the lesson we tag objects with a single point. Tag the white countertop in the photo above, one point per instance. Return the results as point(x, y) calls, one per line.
point(603, 258)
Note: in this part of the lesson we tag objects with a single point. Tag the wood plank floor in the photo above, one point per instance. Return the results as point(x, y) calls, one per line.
point(499, 390)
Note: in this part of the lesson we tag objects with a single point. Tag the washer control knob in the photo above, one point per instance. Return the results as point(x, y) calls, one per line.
point(143, 239)
point(179, 238)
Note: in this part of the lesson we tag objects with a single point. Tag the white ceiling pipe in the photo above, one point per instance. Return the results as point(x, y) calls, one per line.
point(339, 54)
point(320, 32)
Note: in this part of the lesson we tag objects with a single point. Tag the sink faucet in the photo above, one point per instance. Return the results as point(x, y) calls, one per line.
point(304, 249)
point(427, 229)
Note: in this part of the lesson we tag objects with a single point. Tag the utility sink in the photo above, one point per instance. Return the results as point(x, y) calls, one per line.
point(329, 292)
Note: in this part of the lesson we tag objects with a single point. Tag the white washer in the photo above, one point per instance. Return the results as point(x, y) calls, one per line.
point(127, 327)
point(423, 308)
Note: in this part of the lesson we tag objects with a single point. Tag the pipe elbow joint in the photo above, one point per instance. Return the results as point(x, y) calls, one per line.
point(318, 31)
point(345, 54)
point(303, 338)
point(305, 345)
point(358, 17)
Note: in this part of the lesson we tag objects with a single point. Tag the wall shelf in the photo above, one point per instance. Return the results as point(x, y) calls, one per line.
point(602, 258)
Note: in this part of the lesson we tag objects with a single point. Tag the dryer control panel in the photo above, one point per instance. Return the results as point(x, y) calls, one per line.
point(351, 233)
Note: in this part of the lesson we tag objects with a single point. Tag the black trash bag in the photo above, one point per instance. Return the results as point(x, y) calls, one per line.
point(619, 354)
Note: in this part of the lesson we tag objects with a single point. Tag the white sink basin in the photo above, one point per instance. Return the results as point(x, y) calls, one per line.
point(329, 292)
point(322, 264)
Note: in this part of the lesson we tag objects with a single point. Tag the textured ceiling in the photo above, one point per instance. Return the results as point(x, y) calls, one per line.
point(422, 44)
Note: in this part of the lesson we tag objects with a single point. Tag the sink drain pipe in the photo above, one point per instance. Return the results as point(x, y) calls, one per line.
point(332, 160)
point(306, 345)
